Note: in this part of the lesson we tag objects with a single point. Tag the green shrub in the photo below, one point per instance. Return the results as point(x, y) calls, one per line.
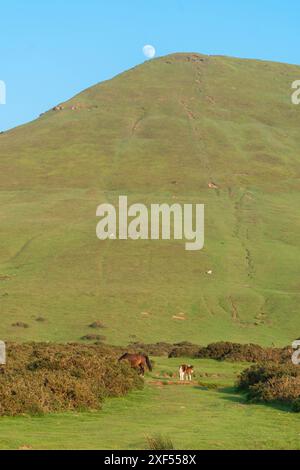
point(156, 349)
point(184, 349)
point(272, 383)
point(244, 352)
point(93, 337)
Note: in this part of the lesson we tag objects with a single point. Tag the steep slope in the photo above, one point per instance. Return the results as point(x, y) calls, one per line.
point(160, 132)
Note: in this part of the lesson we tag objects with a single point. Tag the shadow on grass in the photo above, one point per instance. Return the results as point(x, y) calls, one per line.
point(212, 387)
point(236, 396)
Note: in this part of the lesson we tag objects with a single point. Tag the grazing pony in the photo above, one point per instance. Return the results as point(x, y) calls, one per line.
point(137, 361)
point(186, 372)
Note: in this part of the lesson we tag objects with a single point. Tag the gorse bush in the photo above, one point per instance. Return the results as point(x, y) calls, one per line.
point(41, 378)
point(244, 352)
point(155, 349)
point(272, 383)
point(184, 349)
point(223, 351)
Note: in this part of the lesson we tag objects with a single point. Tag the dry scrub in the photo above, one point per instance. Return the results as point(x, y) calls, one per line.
point(42, 378)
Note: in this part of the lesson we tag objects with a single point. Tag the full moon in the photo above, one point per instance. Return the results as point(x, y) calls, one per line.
point(149, 51)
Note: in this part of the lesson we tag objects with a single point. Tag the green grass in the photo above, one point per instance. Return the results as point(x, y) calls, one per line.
point(191, 416)
point(172, 119)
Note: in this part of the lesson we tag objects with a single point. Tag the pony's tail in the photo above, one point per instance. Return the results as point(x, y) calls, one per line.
point(122, 357)
point(148, 363)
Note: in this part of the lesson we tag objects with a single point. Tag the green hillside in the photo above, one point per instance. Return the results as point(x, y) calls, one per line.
point(160, 132)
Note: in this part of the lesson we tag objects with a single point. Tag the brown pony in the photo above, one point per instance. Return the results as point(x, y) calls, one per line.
point(137, 361)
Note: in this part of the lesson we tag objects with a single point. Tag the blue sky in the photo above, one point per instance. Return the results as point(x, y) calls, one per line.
point(52, 49)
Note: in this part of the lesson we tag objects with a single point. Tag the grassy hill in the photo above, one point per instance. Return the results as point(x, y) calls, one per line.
point(157, 133)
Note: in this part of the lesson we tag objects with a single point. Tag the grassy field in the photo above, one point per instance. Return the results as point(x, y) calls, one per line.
point(157, 133)
point(210, 415)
